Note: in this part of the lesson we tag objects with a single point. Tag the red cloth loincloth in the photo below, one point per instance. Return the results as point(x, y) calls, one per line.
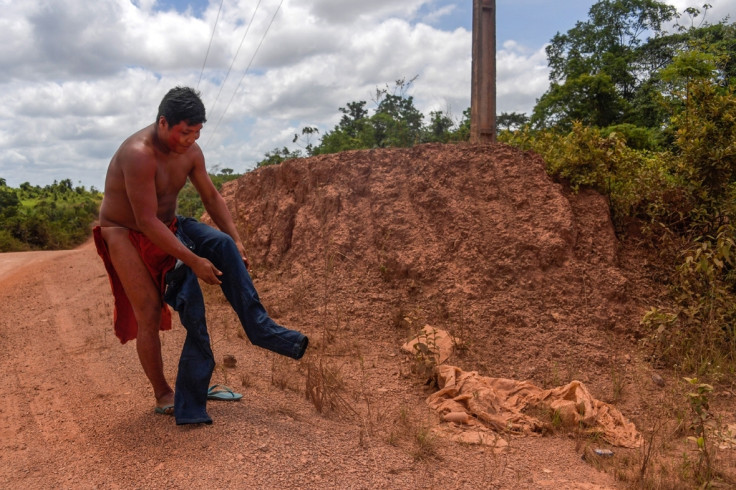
point(158, 263)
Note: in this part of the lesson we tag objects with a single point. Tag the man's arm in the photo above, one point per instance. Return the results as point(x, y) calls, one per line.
point(139, 172)
point(215, 205)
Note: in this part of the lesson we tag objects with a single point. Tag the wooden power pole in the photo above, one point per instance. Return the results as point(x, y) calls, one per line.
point(483, 84)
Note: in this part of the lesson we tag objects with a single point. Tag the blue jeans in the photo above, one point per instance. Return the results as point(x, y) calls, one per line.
point(185, 296)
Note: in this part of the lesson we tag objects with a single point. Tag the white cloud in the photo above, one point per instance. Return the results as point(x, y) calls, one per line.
point(436, 16)
point(353, 11)
point(522, 77)
point(145, 5)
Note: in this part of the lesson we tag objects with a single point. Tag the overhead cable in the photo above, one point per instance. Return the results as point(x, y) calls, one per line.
point(214, 27)
point(222, 84)
point(244, 74)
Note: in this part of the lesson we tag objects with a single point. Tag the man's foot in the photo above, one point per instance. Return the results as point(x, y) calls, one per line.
point(165, 410)
point(165, 404)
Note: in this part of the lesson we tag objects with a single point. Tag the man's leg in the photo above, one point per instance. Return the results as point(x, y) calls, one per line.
point(146, 300)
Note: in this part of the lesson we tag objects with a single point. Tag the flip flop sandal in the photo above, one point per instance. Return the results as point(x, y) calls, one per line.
point(165, 410)
point(222, 392)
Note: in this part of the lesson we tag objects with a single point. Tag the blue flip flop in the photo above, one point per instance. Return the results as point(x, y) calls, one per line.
point(165, 410)
point(222, 392)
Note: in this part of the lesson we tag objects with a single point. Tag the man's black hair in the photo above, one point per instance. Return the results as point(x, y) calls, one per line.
point(182, 104)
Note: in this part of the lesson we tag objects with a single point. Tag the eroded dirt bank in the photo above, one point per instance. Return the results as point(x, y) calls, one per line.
point(475, 240)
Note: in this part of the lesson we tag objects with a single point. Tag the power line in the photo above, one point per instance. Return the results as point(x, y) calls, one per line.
point(210, 45)
point(244, 74)
point(222, 84)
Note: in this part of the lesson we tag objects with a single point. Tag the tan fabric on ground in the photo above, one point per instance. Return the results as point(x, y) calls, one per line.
point(518, 406)
point(431, 342)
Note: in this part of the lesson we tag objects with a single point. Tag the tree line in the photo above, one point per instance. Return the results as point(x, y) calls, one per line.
point(61, 216)
point(55, 216)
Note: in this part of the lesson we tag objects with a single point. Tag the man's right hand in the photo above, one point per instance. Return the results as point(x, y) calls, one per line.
point(205, 270)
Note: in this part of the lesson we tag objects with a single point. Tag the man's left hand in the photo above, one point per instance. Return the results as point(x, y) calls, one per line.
point(241, 249)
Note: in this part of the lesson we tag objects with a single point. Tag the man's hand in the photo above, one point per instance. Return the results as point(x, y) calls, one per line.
point(205, 270)
point(241, 249)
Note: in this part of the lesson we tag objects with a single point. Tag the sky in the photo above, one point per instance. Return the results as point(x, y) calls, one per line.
point(78, 77)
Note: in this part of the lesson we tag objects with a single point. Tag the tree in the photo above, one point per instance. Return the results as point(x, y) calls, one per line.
point(352, 132)
point(9, 201)
point(511, 120)
point(354, 118)
point(590, 99)
point(439, 128)
point(278, 155)
point(307, 133)
point(597, 67)
point(608, 41)
point(34, 217)
point(705, 128)
point(462, 133)
point(396, 122)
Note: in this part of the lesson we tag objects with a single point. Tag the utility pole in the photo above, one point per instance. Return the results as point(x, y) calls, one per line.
point(483, 84)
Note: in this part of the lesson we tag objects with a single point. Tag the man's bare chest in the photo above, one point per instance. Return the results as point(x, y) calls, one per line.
point(171, 176)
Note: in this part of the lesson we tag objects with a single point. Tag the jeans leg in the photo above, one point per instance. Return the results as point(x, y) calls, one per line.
point(238, 288)
point(197, 361)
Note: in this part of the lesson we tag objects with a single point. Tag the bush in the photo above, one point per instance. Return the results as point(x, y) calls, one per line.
point(640, 185)
point(8, 243)
point(700, 335)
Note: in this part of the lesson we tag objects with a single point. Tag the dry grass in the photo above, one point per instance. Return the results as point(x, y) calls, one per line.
point(668, 458)
point(325, 388)
point(413, 432)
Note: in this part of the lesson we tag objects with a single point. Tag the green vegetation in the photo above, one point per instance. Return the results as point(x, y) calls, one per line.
point(395, 122)
point(699, 404)
point(56, 216)
point(189, 203)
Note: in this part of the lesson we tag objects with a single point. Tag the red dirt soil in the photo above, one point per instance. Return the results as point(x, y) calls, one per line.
point(358, 250)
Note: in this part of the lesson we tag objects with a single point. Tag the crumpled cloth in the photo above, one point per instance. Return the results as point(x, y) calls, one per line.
point(468, 399)
point(433, 343)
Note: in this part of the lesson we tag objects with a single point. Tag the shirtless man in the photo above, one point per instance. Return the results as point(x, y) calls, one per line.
point(143, 181)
